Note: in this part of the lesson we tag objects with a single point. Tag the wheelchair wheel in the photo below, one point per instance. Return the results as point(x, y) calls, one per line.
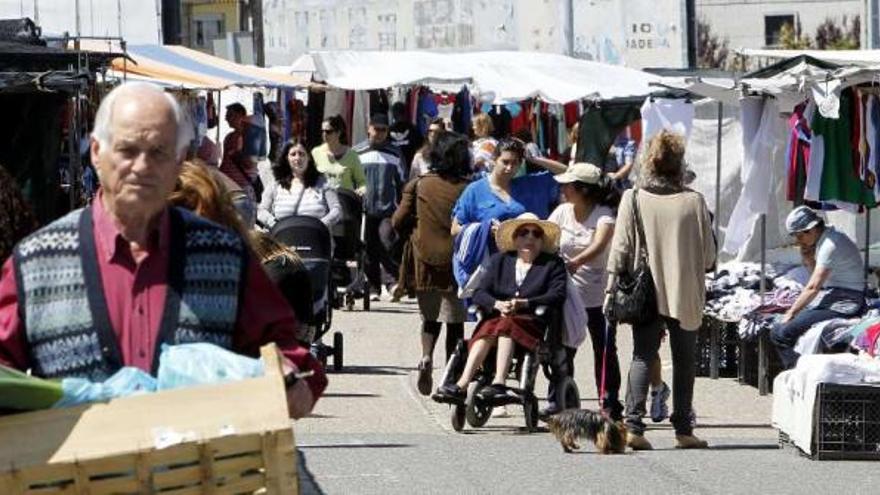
point(530, 409)
point(476, 414)
point(458, 416)
point(567, 394)
point(337, 351)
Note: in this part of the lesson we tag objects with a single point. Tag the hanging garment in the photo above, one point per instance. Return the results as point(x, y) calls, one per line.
point(675, 115)
point(572, 112)
point(315, 111)
point(797, 155)
point(334, 103)
point(213, 118)
point(873, 134)
point(840, 181)
point(500, 121)
point(599, 126)
point(462, 112)
point(360, 116)
point(760, 122)
point(427, 111)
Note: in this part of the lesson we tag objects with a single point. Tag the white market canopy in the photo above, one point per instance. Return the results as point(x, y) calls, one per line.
point(798, 75)
point(500, 76)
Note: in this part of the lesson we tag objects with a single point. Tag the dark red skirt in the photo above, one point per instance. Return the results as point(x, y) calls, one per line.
point(526, 331)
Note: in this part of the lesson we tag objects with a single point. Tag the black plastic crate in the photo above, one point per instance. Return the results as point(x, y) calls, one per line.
point(727, 347)
point(749, 363)
point(846, 422)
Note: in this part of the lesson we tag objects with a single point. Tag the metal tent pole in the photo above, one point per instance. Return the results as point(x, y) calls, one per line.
point(718, 184)
point(714, 330)
point(763, 341)
point(867, 246)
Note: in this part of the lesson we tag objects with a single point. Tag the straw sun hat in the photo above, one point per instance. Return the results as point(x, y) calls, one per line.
point(505, 240)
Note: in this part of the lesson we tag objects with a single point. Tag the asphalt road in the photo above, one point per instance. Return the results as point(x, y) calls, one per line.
point(373, 433)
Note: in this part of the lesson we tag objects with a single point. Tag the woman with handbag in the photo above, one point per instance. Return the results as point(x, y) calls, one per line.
point(662, 247)
point(425, 215)
point(298, 189)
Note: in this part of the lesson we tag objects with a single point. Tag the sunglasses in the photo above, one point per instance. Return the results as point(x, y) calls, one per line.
point(328, 131)
point(534, 232)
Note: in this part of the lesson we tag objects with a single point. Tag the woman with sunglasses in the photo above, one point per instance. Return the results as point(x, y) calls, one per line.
point(336, 160)
point(298, 189)
point(523, 275)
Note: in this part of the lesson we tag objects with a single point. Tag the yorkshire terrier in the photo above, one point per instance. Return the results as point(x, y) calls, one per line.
point(607, 435)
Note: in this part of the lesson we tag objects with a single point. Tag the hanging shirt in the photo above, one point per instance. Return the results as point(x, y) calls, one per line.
point(840, 180)
point(797, 155)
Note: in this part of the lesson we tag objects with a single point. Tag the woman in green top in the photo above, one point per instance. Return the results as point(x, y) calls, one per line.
point(338, 162)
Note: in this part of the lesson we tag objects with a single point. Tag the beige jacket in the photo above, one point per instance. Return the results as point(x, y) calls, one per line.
point(678, 234)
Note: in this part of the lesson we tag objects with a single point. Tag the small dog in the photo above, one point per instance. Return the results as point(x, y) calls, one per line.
point(608, 436)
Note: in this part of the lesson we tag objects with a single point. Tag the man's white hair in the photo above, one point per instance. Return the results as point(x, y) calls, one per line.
point(104, 117)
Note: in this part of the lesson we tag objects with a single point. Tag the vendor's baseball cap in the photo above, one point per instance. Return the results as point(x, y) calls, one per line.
point(580, 172)
point(801, 219)
point(379, 120)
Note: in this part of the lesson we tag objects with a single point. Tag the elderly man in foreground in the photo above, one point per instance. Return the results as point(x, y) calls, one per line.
point(106, 286)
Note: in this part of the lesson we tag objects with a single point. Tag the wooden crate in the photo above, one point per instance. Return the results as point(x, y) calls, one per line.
point(231, 438)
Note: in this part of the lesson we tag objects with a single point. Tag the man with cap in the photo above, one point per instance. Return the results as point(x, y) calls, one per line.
point(836, 285)
point(384, 173)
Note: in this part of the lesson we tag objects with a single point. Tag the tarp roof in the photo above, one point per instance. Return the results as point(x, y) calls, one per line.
point(790, 81)
point(178, 66)
point(501, 76)
point(840, 57)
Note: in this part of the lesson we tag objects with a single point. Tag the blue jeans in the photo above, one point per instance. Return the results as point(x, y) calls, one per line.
point(784, 336)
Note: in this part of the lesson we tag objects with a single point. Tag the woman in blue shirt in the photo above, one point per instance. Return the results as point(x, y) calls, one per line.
point(490, 199)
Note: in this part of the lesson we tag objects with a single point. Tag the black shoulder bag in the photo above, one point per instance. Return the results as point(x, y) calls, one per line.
point(634, 299)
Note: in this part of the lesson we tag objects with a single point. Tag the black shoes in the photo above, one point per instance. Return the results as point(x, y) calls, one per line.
point(449, 392)
point(492, 391)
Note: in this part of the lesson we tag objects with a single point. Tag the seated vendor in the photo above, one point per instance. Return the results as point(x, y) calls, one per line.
point(836, 285)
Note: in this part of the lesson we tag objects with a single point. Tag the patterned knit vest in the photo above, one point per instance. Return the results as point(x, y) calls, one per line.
point(65, 312)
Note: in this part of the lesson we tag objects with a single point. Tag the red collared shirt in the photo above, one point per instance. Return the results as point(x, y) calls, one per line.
point(135, 295)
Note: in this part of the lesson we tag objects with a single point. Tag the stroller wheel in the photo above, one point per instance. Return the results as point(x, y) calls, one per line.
point(476, 413)
point(337, 351)
point(530, 408)
point(458, 414)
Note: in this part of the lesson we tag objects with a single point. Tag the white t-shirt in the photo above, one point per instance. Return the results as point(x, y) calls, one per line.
point(591, 277)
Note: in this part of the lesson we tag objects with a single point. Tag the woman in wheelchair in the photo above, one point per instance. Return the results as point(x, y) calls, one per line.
point(522, 276)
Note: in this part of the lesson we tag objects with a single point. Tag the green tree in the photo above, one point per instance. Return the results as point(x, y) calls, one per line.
point(846, 36)
point(712, 51)
point(790, 37)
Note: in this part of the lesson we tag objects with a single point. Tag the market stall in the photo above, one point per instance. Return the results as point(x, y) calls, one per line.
point(810, 137)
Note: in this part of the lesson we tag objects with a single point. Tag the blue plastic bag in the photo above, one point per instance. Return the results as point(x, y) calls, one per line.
point(186, 365)
point(125, 382)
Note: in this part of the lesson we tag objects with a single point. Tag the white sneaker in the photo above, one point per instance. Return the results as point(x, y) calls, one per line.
point(500, 412)
point(386, 294)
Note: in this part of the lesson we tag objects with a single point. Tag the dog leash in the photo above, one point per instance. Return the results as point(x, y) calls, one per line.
point(604, 367)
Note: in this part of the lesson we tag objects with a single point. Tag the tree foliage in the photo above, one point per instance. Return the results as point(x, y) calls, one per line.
point(829, 35)
point(712, 51)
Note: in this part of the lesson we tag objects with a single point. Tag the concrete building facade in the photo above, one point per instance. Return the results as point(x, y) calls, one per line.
point(756, 23)
point(633, 32)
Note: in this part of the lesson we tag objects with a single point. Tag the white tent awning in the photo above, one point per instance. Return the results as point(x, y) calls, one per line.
point(499, 75)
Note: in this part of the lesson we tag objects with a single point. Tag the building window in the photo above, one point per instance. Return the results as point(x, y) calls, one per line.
point(773, 28)
point(206, 28)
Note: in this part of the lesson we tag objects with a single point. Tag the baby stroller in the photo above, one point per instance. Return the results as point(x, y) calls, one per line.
point(476, 410)
point(310, 238)
point(349, 257)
